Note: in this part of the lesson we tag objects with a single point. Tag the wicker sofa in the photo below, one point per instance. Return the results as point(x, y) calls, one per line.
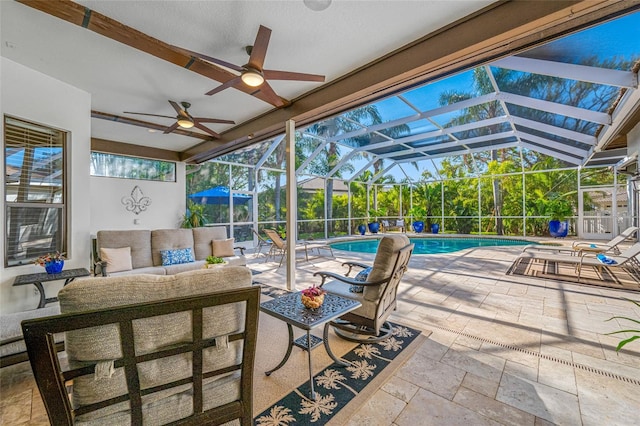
point(131, 252)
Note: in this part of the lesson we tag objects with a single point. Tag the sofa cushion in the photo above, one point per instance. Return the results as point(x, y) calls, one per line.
point(169, 239)
point(223, 248)
point(184, 267)
point(118, 259)
point(202, 238)
point(151, 270)
point(177, 256)
point(384, 262)
point(103, 343)
point(139, 241)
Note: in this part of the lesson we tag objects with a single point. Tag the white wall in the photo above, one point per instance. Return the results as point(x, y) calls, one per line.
point(30, 95)
point(165, 211)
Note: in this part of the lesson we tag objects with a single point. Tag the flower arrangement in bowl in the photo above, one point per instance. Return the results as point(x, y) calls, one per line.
point(52, 263)
point(214, 261)
point(312, 297)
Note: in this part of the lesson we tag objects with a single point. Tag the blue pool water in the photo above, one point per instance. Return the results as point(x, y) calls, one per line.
point(431, 245)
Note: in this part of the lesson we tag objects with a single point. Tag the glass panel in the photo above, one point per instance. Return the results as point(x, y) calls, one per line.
point(33, 232)
point(596, 176)
point(207, 175)
point(243, 233)
point(120, 166)
point(597, 212)
point(242, 178)
point(617, 39)
point(272, 196)
point(34, 187)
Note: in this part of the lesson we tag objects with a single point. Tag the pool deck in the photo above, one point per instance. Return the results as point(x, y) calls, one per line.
point(503, 349)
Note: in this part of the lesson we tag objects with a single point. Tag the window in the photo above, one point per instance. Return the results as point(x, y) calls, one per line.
point(35, 191)
point(120, 166)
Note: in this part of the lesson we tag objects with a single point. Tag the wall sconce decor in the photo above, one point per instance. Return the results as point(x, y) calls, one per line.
point(137, 202)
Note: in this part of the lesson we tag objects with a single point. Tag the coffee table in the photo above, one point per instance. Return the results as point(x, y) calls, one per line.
point(290, 309)
point(67, 275)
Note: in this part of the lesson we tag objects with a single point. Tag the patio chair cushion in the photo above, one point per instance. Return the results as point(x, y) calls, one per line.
point(368, 308)
point(169, 239)
point(384, 263)
point(202, 238)
point(137, 239)
point(103, 343)
point(118, 259)
point(361, 276)
point(223, 248)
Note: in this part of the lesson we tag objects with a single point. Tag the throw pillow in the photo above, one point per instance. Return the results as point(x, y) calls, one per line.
point(118, 259)
point(222, 248)
point(361, 276)
point(177, 256)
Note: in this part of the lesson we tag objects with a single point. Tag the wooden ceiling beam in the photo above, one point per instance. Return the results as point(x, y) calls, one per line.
point(82, 16)
point(148, 125)
point(501, 29)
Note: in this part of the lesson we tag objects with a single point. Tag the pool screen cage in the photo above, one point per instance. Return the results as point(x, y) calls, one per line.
point(500, 149)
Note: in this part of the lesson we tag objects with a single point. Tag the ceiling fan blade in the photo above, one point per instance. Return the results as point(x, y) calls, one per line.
point(223, 86)
point(206, 129)
point(286, 75)
point(212, 120)
point(150, 115)
point(259, 50)
point(171, 128)
point(212, 60)
point(177, 107)
point(273, 98)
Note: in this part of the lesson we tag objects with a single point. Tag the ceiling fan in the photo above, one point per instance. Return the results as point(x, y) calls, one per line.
point(186, 120)
point(253, 74)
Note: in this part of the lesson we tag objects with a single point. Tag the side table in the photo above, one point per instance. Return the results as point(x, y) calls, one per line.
point(43, 277)
point(290, 309)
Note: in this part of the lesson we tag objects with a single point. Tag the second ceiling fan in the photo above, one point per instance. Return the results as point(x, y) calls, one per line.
point(253, 74)
point(185, 120)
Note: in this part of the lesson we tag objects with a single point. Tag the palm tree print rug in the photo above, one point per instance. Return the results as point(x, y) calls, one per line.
point(337, 386)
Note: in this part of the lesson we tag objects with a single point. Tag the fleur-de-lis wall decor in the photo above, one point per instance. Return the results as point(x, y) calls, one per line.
point(137, 202)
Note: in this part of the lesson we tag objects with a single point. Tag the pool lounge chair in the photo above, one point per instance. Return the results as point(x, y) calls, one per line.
point(577, 247)
point(627, 259)
point(606, 247)
point(280, 246)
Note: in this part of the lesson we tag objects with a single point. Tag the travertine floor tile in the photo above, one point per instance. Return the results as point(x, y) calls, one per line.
point(540, 400)
point(380, 410)
point(489, 407)
point(429, 408)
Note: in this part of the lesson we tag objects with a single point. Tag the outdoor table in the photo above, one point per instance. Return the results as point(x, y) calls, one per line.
point(42, 277)
point(290, 309)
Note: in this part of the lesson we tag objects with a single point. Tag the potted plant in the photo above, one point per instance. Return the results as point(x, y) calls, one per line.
point(214, 262)
point(362, 228)
point(558, 209)
point(52, 262)
point(195, 216)
point(374, 226)
point(417, 213)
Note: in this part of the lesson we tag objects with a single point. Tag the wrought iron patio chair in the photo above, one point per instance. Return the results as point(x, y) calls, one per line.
point(379, 291)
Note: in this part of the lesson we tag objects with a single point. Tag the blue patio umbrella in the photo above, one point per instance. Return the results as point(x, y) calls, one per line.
point(218, 195)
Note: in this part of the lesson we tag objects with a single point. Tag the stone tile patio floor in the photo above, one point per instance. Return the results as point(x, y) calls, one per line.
point(503, 350)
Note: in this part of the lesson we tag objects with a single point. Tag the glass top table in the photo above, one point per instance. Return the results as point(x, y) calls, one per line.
point(290, 309)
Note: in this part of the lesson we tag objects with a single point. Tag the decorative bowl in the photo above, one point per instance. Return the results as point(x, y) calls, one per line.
point(312, 302)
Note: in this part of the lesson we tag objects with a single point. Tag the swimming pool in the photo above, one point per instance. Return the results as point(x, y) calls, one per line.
point(431, 245)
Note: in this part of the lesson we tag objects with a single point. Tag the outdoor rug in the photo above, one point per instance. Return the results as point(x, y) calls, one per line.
point(611, 278)
point(340, 391)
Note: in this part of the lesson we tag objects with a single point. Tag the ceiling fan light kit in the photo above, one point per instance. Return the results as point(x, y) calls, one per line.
point(185, 123)
point(252, 77)
point(317, 5)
